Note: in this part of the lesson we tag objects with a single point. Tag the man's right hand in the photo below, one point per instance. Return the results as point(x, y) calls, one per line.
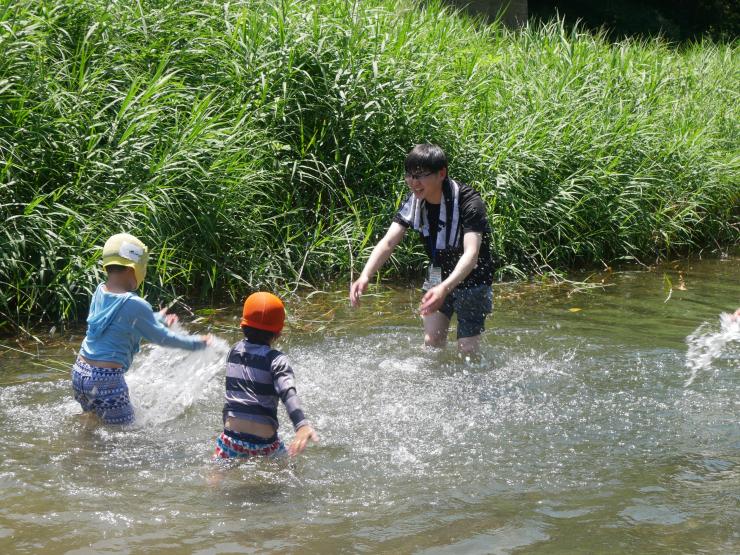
point(380, 254)
point(357, 289)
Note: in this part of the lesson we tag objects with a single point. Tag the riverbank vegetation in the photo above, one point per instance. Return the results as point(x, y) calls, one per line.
point(259, 144)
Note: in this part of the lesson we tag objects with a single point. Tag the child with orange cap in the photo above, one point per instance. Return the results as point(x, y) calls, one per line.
point(257, 376)
point(117, 321)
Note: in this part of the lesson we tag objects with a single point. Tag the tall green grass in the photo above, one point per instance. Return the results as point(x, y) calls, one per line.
point(260, 143)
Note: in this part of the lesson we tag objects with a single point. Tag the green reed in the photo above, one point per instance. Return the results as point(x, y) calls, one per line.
point(259, 144)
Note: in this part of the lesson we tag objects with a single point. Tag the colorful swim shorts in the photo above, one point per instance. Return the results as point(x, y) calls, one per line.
point(234, 445)
point(102, 391)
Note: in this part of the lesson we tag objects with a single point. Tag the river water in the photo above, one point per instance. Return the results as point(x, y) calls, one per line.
point(598, 420)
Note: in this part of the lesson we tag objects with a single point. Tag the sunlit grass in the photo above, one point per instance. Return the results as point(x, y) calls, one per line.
point(259, 144)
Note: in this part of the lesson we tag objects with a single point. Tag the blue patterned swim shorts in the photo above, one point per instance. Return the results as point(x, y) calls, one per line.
point(234, 445)
point(102, 391)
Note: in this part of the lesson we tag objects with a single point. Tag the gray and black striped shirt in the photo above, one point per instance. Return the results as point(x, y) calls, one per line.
point(256, 376)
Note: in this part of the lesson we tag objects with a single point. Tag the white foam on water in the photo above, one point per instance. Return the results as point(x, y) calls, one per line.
point(706, 346)
point(164, 383)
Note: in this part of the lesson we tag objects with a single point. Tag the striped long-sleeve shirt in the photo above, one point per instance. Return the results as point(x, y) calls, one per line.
point(256, 376)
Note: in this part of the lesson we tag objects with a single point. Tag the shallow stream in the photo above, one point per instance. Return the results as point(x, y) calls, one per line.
point(598, 420)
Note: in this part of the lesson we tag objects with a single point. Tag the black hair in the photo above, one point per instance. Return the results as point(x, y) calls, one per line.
point(425, 157)
point(115, 268)
point(257, 336)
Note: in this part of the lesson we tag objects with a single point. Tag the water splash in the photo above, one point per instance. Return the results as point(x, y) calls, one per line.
point(706, 346)
point(164, 382)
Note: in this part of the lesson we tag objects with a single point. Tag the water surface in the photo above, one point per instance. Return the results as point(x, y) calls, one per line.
point(598, 420)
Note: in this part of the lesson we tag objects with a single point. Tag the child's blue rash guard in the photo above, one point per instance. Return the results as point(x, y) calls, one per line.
point(118, 321)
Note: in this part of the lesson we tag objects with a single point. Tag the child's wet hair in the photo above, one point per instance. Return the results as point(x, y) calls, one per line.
point(425, 157)
point(260, 337)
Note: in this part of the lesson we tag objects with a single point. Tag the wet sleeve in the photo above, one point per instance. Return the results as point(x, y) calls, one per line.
point(473, 213)
point(145, 322)
point(284, 380)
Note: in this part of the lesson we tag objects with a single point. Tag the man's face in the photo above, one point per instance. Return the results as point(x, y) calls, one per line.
point(426, 185)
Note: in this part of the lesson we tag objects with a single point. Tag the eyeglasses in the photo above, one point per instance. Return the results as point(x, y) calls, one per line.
point(417, 176)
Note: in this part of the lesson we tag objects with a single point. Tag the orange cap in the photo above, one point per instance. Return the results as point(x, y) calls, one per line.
point(264, 311)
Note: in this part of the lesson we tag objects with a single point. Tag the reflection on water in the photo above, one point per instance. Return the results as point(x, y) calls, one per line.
point(601, 421)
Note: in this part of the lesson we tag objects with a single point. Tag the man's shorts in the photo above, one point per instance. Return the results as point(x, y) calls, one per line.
point(471, 305)
point(102, 391)
point(235, 445)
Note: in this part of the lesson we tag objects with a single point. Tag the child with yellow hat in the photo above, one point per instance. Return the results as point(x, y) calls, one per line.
point(257, 377)
point(117, 321)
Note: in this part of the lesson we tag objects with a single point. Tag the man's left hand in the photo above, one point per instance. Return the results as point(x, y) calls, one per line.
point(432, 300)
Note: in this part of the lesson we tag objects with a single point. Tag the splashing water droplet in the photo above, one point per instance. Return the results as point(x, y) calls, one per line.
point(164, 383)
point(705, 346)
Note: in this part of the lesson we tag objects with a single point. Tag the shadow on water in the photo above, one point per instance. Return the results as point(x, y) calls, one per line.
point(596, 421)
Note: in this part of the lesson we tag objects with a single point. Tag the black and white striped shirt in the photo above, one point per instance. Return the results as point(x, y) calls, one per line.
point(256, 377)
point(443, 237)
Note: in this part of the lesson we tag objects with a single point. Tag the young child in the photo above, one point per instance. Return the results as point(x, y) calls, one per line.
point(117, 321)
point(256, 376)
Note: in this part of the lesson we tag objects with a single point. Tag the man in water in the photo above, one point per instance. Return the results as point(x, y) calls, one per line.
point(451, 219)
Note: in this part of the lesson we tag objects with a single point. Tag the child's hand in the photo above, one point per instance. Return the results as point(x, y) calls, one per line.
point(168, 319)
point(301, 440)
point(207, 339)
